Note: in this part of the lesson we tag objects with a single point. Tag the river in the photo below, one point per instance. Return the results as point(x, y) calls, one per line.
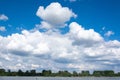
point(59, 78)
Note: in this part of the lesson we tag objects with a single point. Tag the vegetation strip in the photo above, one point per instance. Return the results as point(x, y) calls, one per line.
point(49, 73)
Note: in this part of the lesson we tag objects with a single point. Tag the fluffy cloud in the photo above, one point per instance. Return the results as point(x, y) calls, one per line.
point(3, 17)
point(76, 50)
point(54, 15)
point(2, 28)
point(82, 36)
point(109, 33)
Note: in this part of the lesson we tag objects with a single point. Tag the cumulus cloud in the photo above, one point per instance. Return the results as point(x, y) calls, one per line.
point(45, 25)
point(82, 36)
point(109, 33)
point(3, 17)
point(77, 49)
point(2, 28)
point(54, 15)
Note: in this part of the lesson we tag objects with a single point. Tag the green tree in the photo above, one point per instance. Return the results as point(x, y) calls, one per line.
point(33, 72)
point(64, 73)
point(27, 73)
point(109, 73)
point(118, 74)
point(46, 73)
point(75, 73)
point(98, 73)
point(9, 72)
point(2, 72)
point(20, 73)
point(85, 73)
point(14, 74)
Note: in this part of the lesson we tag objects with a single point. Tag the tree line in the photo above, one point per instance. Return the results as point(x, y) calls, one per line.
point(49, 73)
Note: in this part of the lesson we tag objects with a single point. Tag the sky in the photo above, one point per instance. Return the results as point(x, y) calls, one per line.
point(71, 35)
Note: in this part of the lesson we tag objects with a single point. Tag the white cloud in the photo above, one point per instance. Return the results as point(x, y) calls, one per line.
point(45, 25)
point(3, 17)
point(109, 33)
point(82, 36)
point(54, 15)
point(34, 66)
point(2, 28)
point(76, 50)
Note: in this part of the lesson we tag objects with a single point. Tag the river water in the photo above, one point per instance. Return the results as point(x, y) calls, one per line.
point(59, 78)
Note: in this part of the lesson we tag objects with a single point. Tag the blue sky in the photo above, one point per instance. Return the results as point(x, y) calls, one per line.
point(91, 14)
point(90, 27)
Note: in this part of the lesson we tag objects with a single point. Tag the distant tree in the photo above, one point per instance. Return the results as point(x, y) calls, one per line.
point(33, 72)
point(46, 73)
point(2, 72)
point(9, 72)
point(109, 73)
point(105, 73)
point(64, 73)
point(118, 74)
point(49, 72)
point(27, 73)
point(20, 73)
point(98, 73)
point(14, 74)
point(75, 73)
point(85, 73)
point(67, 74)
